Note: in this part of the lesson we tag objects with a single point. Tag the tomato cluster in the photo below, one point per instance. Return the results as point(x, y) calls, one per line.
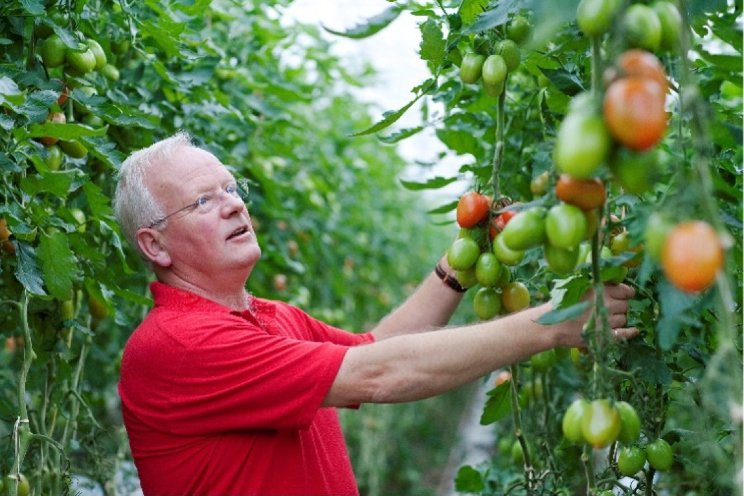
point(491, 60)
point(72, 63)
point(480, 257)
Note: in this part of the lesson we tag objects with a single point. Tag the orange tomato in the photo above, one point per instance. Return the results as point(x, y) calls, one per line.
point(586, 194)
point(634, 112)
point(692, 256)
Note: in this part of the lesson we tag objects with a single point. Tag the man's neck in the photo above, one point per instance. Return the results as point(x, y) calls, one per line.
point(235, 297)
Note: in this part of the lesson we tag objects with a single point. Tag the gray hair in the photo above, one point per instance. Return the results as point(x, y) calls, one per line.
point(134, 204)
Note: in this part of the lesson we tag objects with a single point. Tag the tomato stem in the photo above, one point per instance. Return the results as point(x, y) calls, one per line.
point(517, 419)
point(498, 151)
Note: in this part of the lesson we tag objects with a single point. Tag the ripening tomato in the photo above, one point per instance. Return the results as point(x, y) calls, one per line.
point(565, 225)
point(471, 67)
point(539, 184)
point(472, 208)
point(641, 63)
point(692, 256)
point(630, 460)
point(499, 222)
point(57, 118)
point(4, 231)
point(487, 269)
point(660, 454)
point(634, 112)
point(572, 420)
point(463, 253)
point(582, 144)
point(584, 193)
point(515, 297)
point(526, 229)
point(487, 303)
point(630, 424)
point(506, 255)
point(600, 423)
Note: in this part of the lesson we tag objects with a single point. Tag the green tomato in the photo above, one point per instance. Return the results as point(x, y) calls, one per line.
point(487, 269)
point(53, 157)
point(53, 51)
point(487, 303)
point(660, 454)
point(110, 72)
point(642, 27)
point(509, 50)
point(515, 297)
point(671, 23)
point(630, 460)
point(525, 230)
point(543, 360)
point(562, 261)
point(466, 277)
point(494, 70)
point(505, 277)
point(463, 253)
point(73, 148)
point(655, 234)
point(595, 17)
point(582, 144)
point(517, 453)
point(80, 61)
point(572, 421)
point(630, 424)
point(471, 67)
point(518, 29)
point(600, 423)
point(24, 488)
point(98, 53)
point(635, 171)
point(565, 226)
point(506, 255)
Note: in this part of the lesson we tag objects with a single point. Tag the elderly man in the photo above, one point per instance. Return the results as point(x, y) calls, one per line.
point(225, 393)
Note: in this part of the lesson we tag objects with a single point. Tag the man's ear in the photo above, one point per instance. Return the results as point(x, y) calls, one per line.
point(150, 243)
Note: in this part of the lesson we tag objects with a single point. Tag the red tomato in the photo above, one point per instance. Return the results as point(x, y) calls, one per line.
point(638, 62)
point(692, 256)
point(472, 209)
point(584, 193)
point(634, 112)
point(499, 222)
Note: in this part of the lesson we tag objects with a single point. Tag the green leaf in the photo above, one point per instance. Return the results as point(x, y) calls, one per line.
point(400, 135)
point(9, 92)
point(498, 404)
point(372, 26)
point(443, 209)
point(495, 17)
point(434, 183)
point(27, 271)
point(65, 132)
point(563, 314)
point(36, 106)
point(390, 118)
point(57, 183)
point(641, 360)
point(567, 83)
point(469, 480)
point(471, 9)
point(432, 47)
point(58, 264)
point(675, 306)
point(33, 7)
point(98, 202)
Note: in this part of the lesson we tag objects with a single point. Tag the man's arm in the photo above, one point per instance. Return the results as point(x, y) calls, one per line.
point(429, 307)
point(415, 366)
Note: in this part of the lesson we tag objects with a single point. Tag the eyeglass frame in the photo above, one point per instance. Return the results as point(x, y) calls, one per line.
point(242, 190)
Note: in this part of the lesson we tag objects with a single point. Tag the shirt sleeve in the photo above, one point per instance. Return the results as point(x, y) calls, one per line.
point(247, 378)
point(317, 330)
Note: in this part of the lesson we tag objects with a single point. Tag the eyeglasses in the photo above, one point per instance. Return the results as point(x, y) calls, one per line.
point(207, 202)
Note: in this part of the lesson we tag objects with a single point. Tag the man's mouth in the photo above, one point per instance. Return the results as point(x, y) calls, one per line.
point(238, 232)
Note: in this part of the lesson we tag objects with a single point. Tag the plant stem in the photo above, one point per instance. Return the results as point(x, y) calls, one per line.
point(517, 419)
point(498, 151)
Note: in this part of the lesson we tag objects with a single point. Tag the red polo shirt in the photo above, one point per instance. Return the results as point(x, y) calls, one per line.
point(218, 402)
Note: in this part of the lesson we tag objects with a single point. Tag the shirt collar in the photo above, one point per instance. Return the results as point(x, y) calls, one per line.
point(174, 298)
